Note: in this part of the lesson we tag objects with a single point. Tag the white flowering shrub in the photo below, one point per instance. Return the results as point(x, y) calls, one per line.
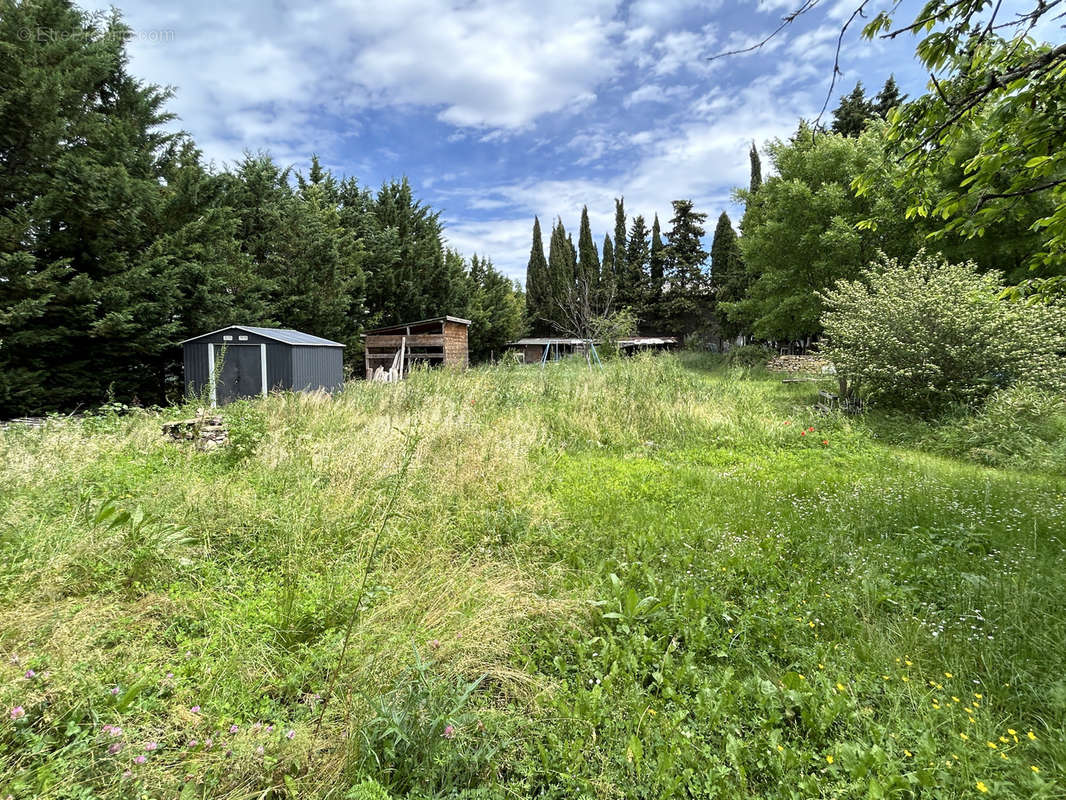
point(922, 335)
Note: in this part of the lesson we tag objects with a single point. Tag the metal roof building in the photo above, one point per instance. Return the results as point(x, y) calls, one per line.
point(253, 361)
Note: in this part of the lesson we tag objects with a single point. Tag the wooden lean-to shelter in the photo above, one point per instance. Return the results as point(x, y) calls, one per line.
point(390, 352)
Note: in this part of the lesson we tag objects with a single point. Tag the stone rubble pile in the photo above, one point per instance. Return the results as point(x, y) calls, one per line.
point(206, 430)
point(808, 364)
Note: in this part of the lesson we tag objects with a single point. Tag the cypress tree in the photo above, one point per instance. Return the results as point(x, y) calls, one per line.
point(653, 298)
point(560, 271)
point(538, 286)
point(632, 291)
point(727, 273)
point(607, 264)
point(619, 238)
point(588, 268)
point(756, 169)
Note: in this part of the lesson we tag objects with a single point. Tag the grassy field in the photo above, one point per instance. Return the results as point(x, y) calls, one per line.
point(667, 578)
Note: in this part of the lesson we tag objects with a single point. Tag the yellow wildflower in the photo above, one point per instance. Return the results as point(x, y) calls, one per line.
point(1031, 735)
point(964, 736)
point(780, 749)
point(981, 786)
point(953, 697)
point(1012, 732)
point(978, 696)
point(948, 675)
point(993, 745)
point(840, 687)
point(829, 758)
point(1003, 756)
point(1004, 739)
point(907, 753)
point(909, 663)
point(1034, 768)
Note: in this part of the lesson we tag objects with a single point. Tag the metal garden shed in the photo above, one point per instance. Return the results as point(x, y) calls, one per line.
point(253, 361)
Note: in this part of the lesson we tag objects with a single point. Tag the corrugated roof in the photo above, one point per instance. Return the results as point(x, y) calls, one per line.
point(634, 340)
point(532, 341)
point(284, 335)
point(445, 318)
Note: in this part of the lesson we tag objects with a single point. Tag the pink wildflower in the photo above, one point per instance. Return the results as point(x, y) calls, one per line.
point(289, 734)
point(114, 690)
point(195, 709)
point(140, 759)
point(150, 746)
point(435, 644)
point(30, 674)
point(18, 712)
point(233, 729)
point(449, 732)
point(115, 749)
point(193, 743)
point(170, 675)
point(260, 750)
point(115, 730)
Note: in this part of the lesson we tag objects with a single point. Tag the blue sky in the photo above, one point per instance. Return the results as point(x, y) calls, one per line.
point(500, 110)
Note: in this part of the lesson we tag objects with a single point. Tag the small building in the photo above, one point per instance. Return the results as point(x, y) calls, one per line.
point(533, 348)
point(636, 344)
point(536, 350)
point(242, 361)
point(391, 351)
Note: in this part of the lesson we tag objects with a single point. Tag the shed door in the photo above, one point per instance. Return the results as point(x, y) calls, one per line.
point(242, 373)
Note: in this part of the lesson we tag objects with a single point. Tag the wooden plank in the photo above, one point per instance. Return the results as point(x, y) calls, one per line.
point(410, 355)
point(419, 340)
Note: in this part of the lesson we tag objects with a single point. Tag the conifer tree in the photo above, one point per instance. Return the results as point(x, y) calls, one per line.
point(538, 285)
point(653, 316)
point(588, 268)
point(608, 282)
point(888, 98)
point(619, 238)
point(494, 309)
point(632, 290)
point(727, 273)
point(756, 170)
point(561, 269)
point(854, 111)
point(686, 297)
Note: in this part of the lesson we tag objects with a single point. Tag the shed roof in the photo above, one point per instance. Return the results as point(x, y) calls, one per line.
point(403, 325)
point(541, 341)
point(283, 335)
point(627, 342)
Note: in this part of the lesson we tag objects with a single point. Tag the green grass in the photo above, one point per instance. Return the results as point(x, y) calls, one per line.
point(635, 582)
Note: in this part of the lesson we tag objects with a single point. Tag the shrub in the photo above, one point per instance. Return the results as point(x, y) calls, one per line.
point(1021, 426)
point(749, 355)
point(927, 334)
point(246, 426)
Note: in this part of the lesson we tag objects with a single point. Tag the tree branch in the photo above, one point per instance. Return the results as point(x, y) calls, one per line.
point(785, 22)
point(1019, 193)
